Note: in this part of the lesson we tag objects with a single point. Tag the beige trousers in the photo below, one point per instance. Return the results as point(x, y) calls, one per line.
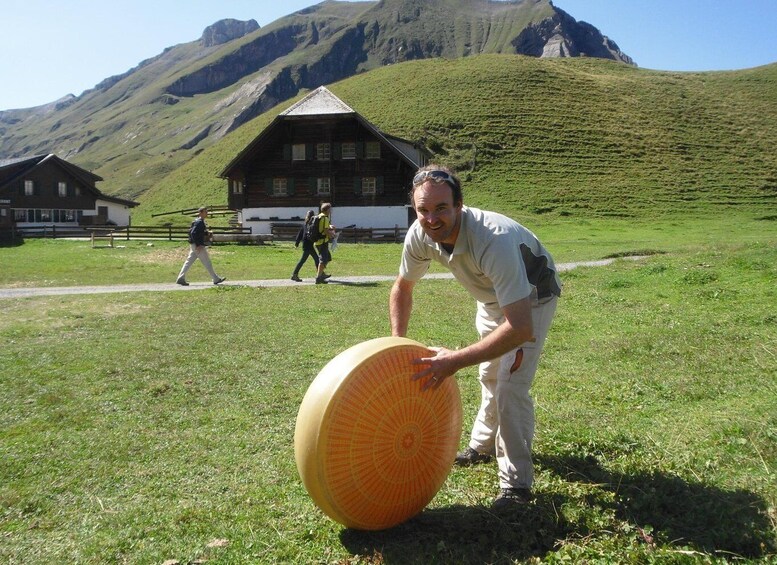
point(504, 425)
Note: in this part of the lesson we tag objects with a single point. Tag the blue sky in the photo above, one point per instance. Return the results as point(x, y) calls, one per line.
point(51, 48)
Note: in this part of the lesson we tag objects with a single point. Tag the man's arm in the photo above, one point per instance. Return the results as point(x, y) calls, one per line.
point(515, 330)
point(400, 306)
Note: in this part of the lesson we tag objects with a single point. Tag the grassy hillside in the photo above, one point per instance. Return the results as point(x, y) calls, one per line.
point(569, 137)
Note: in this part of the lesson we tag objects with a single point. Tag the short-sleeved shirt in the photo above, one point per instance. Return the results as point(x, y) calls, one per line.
point(495, 258)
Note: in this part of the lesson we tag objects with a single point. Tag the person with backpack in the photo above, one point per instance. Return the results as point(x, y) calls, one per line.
point(308, 249)
point(323, 231)
point(198, 235)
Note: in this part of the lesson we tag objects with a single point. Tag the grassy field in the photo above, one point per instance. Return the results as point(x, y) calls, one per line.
point(580, 138)
point(145, 427)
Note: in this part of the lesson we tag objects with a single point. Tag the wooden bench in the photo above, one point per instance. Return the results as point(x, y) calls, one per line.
point(258, 238)
point(98, 235)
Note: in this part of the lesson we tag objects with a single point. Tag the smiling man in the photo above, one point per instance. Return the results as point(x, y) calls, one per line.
point(514, 282)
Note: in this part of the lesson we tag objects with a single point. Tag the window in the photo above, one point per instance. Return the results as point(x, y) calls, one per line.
point(29, 188)
point(279, 187)
point(68, 215)
point(236, 187)
point(323, 152)
point(349, 150)
point(372, 150)
point(323, 186)
point(298, 152)
point(62, 189)
point(368, 185)
point(20, 215)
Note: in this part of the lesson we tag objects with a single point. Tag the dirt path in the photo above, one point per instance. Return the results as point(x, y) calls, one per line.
point(8, 293)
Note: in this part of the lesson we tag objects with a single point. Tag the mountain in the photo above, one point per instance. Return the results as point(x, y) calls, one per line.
point(135, 128)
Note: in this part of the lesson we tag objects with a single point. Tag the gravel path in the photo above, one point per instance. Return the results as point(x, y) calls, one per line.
point(8, 293)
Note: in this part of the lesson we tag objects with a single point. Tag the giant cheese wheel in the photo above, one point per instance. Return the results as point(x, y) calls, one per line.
point(372, 449)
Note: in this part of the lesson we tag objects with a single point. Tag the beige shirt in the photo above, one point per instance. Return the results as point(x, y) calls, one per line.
point(495, 258)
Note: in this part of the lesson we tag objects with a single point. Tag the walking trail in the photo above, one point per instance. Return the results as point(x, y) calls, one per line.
point(156, 287)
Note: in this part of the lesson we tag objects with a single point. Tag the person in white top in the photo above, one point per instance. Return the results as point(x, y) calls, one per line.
point(514, 282)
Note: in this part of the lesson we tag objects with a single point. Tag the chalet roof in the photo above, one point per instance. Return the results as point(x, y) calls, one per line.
point(21, 166)
point(319, 102)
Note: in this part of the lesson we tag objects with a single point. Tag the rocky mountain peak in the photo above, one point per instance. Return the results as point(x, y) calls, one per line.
point(224, 31)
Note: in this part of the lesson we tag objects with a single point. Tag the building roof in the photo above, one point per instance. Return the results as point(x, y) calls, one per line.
point(319, 102)
point(23, 165)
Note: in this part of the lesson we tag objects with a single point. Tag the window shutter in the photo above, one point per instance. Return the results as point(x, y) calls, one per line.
point(357, 185)
point(360, 149)
point(312, 185)
point(290, 187)
point(310, 152)
point(286, 152)
point(338, 151)
point(268, 186)
point(379, 185)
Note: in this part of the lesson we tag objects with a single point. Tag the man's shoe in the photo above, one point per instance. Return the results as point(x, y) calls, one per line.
point(511, 498)
point(325, 276)
point(220, 280)
point(296, 278)
point(471, 457)
point(321, 280)
point(182, 282)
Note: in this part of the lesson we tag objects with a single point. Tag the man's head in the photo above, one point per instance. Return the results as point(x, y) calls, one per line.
point(202, 211)
point(326, 208)
point(437, 201)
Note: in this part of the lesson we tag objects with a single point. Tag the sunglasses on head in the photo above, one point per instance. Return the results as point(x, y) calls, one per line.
point(435, 176)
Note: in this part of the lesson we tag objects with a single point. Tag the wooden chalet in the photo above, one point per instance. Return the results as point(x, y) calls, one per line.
point(45, 190)
point(321, 150)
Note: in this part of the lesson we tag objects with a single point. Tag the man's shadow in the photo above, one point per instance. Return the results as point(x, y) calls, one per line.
point(661, 509)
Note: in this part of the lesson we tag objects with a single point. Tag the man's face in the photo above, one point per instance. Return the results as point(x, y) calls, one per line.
point(439, 217)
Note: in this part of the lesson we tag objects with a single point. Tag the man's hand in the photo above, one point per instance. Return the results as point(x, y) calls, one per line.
point(438, 368)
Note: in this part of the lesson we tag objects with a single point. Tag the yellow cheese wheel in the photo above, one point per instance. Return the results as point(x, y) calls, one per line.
point(372, 449)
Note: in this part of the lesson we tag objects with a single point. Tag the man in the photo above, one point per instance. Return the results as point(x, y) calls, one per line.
point(513, 279)
point(327, 231)
point(198, 233)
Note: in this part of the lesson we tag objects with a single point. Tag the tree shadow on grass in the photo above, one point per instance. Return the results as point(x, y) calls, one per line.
point(680, 513)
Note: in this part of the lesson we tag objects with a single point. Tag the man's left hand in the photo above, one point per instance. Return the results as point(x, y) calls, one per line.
point(438, 368)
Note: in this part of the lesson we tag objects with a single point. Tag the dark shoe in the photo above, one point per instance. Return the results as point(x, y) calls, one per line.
point(220, 280)
point(325, 276)
point(511, 498)
point(471, 457)
point(182, 282)
point(296, 278)
point(321, 280)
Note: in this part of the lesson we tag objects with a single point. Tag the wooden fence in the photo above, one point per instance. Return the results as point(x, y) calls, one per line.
point(280, 232)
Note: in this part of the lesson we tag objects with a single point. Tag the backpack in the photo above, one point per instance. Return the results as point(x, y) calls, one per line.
point(312, 230)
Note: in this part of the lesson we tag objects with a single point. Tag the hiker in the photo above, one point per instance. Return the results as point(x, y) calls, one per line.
point(308, 249)
point(198, 235)
point(513, 280)
point(325, 232)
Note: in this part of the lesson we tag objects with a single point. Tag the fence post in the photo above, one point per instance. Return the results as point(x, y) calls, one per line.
point(170, 233)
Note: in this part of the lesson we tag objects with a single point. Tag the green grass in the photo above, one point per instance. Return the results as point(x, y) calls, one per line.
point(67, 263)
point(143, 427)
point(579, 138)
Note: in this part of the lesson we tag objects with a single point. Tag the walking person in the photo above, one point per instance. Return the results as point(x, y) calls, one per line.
point(326, 231)
point(514, 282)
point(308, 249)
point(198, 234)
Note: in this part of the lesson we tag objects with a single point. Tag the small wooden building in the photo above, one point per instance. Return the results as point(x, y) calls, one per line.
point(321, 150)
point(45, 190)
